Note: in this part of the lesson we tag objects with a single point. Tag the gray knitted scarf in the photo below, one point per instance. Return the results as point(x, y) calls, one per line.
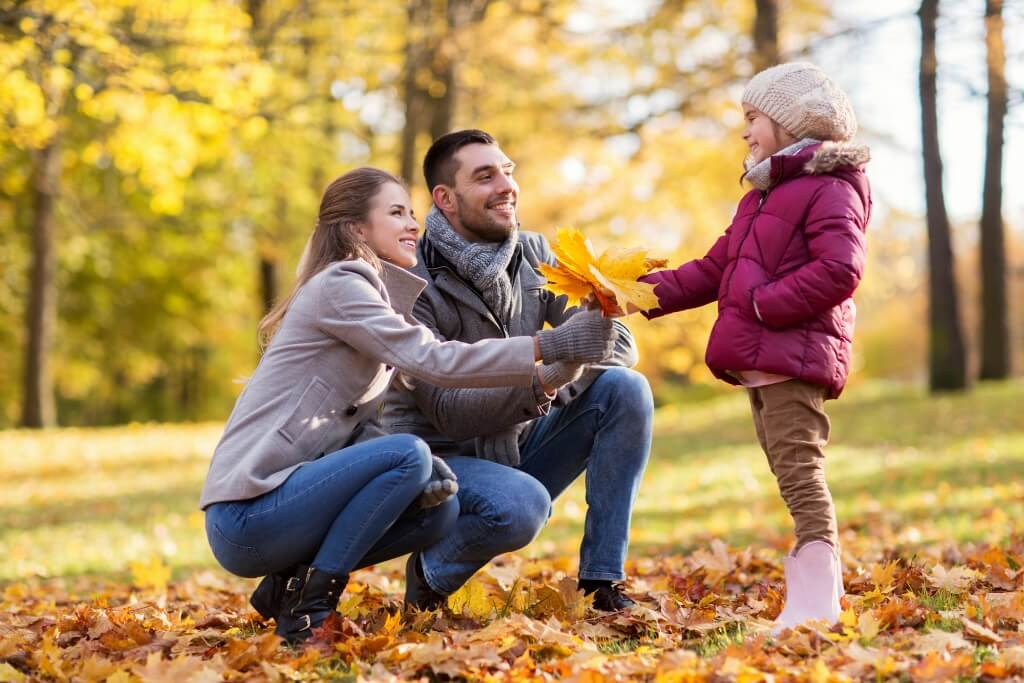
point(760, 174)
point(483, 264)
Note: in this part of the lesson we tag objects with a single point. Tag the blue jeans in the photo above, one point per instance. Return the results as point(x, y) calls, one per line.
point(348, 509)
point(605, 432)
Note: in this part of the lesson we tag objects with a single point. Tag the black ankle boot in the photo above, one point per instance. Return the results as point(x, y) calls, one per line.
point(305, 608)
point(608, 597)
point(267, 597)
point(418, 593)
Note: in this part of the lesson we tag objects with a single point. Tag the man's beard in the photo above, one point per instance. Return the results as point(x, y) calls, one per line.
point(482, 224)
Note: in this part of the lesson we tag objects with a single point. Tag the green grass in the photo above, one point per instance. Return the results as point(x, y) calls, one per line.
point(719, 639)
point(915, 468)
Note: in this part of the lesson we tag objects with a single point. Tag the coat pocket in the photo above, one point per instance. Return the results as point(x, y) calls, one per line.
point(309, 420)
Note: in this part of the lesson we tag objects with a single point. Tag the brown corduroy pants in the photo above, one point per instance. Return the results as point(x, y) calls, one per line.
point(792, 426)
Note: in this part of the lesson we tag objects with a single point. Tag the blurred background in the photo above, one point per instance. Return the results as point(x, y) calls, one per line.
point(161, 163)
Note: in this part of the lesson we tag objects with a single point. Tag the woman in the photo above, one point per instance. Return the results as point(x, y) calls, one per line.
point(304, 487)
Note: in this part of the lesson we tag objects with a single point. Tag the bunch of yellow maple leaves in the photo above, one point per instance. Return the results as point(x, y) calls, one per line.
point(610, 278)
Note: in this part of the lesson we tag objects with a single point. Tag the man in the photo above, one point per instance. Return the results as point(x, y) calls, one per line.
point(514, 449)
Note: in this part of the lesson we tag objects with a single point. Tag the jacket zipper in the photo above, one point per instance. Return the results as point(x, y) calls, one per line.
point(739, 249)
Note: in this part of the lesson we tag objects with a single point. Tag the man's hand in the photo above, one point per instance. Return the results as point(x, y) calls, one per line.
point(586, 337)
point(443, 485)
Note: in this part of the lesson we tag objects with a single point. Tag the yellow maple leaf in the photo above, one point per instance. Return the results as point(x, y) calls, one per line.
point(351, 606)
point(882, 575)
point(393, 624)
point(153, 574)
point(471, 599)
point(611, 277)
point(868, 625)
point(873, 597)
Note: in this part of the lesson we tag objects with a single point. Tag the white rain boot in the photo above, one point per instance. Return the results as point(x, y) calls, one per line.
point(840, 589)
point(814, 584)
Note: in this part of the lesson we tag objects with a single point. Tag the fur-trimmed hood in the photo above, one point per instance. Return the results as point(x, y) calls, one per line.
point(842, 160)
point(831, 156)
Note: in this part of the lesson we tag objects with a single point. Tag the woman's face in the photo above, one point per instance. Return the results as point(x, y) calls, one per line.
point(390, 228)
point(763, 136)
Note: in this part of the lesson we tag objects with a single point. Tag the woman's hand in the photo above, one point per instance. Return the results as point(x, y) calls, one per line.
point(443, 485)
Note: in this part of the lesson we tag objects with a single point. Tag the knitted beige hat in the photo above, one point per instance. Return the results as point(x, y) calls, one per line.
point(803, 100)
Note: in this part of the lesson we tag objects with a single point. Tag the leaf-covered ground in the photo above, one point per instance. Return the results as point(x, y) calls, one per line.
point(106, 575)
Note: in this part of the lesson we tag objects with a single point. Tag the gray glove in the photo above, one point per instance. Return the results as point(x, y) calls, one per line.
point(443, 485)
point(586, 337)
point(557, 375)
point(501, 447)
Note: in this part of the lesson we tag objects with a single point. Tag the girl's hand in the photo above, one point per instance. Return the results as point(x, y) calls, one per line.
point(617, 312)
point(591, 303)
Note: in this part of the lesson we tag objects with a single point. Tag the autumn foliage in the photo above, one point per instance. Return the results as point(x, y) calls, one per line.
point(700, 617)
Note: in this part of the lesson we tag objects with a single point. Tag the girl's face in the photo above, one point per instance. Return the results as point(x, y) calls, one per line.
point(763, 136)
point(390, 228)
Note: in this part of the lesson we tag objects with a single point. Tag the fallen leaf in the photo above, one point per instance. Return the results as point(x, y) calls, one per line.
point(939, 641)
point(955, 580)
point(979, 633)
point(868, 626)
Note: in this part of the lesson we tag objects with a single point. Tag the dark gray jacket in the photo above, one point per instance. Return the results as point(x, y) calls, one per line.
point(449, 419)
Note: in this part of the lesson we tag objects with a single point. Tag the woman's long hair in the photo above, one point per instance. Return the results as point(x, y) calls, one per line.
point(345, 203)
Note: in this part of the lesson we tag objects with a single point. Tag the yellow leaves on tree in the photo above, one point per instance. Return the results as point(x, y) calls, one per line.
point(610, 277)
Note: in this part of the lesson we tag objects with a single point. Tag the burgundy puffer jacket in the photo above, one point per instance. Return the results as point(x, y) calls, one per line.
point(795, 252)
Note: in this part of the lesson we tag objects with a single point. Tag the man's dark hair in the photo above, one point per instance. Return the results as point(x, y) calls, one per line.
point(439, 166)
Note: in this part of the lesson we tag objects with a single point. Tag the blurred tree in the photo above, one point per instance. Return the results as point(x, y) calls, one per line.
point(766, 34)
point(192, 165)
point(65, 60)
point(430, 82)
point(995, 323)
point(947, 355)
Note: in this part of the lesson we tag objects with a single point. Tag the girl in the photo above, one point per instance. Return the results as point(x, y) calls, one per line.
point(304, 486)
point(783, 274)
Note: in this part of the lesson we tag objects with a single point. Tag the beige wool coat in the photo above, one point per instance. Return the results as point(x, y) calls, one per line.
point(320, 383)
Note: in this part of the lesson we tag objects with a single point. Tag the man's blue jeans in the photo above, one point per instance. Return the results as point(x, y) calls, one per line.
point(346, 510)
point(605, 432)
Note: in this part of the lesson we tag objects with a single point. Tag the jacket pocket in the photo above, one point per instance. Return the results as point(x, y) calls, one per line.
point(309, 420)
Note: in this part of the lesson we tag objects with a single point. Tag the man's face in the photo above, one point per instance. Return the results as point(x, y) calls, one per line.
point(485, 194)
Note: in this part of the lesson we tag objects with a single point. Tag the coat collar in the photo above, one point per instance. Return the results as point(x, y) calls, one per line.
point(402, 286)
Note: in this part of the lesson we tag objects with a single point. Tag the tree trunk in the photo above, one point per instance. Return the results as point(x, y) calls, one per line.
point(412, 94)
point(947, 363)
point(267, 266)
point(38, 408)
point(431, 109)
point(766, 34)
point(442, 113)
point(995, 324)
point(268, 282)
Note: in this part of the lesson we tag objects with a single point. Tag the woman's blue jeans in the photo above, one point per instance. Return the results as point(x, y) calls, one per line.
point(348, 509)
